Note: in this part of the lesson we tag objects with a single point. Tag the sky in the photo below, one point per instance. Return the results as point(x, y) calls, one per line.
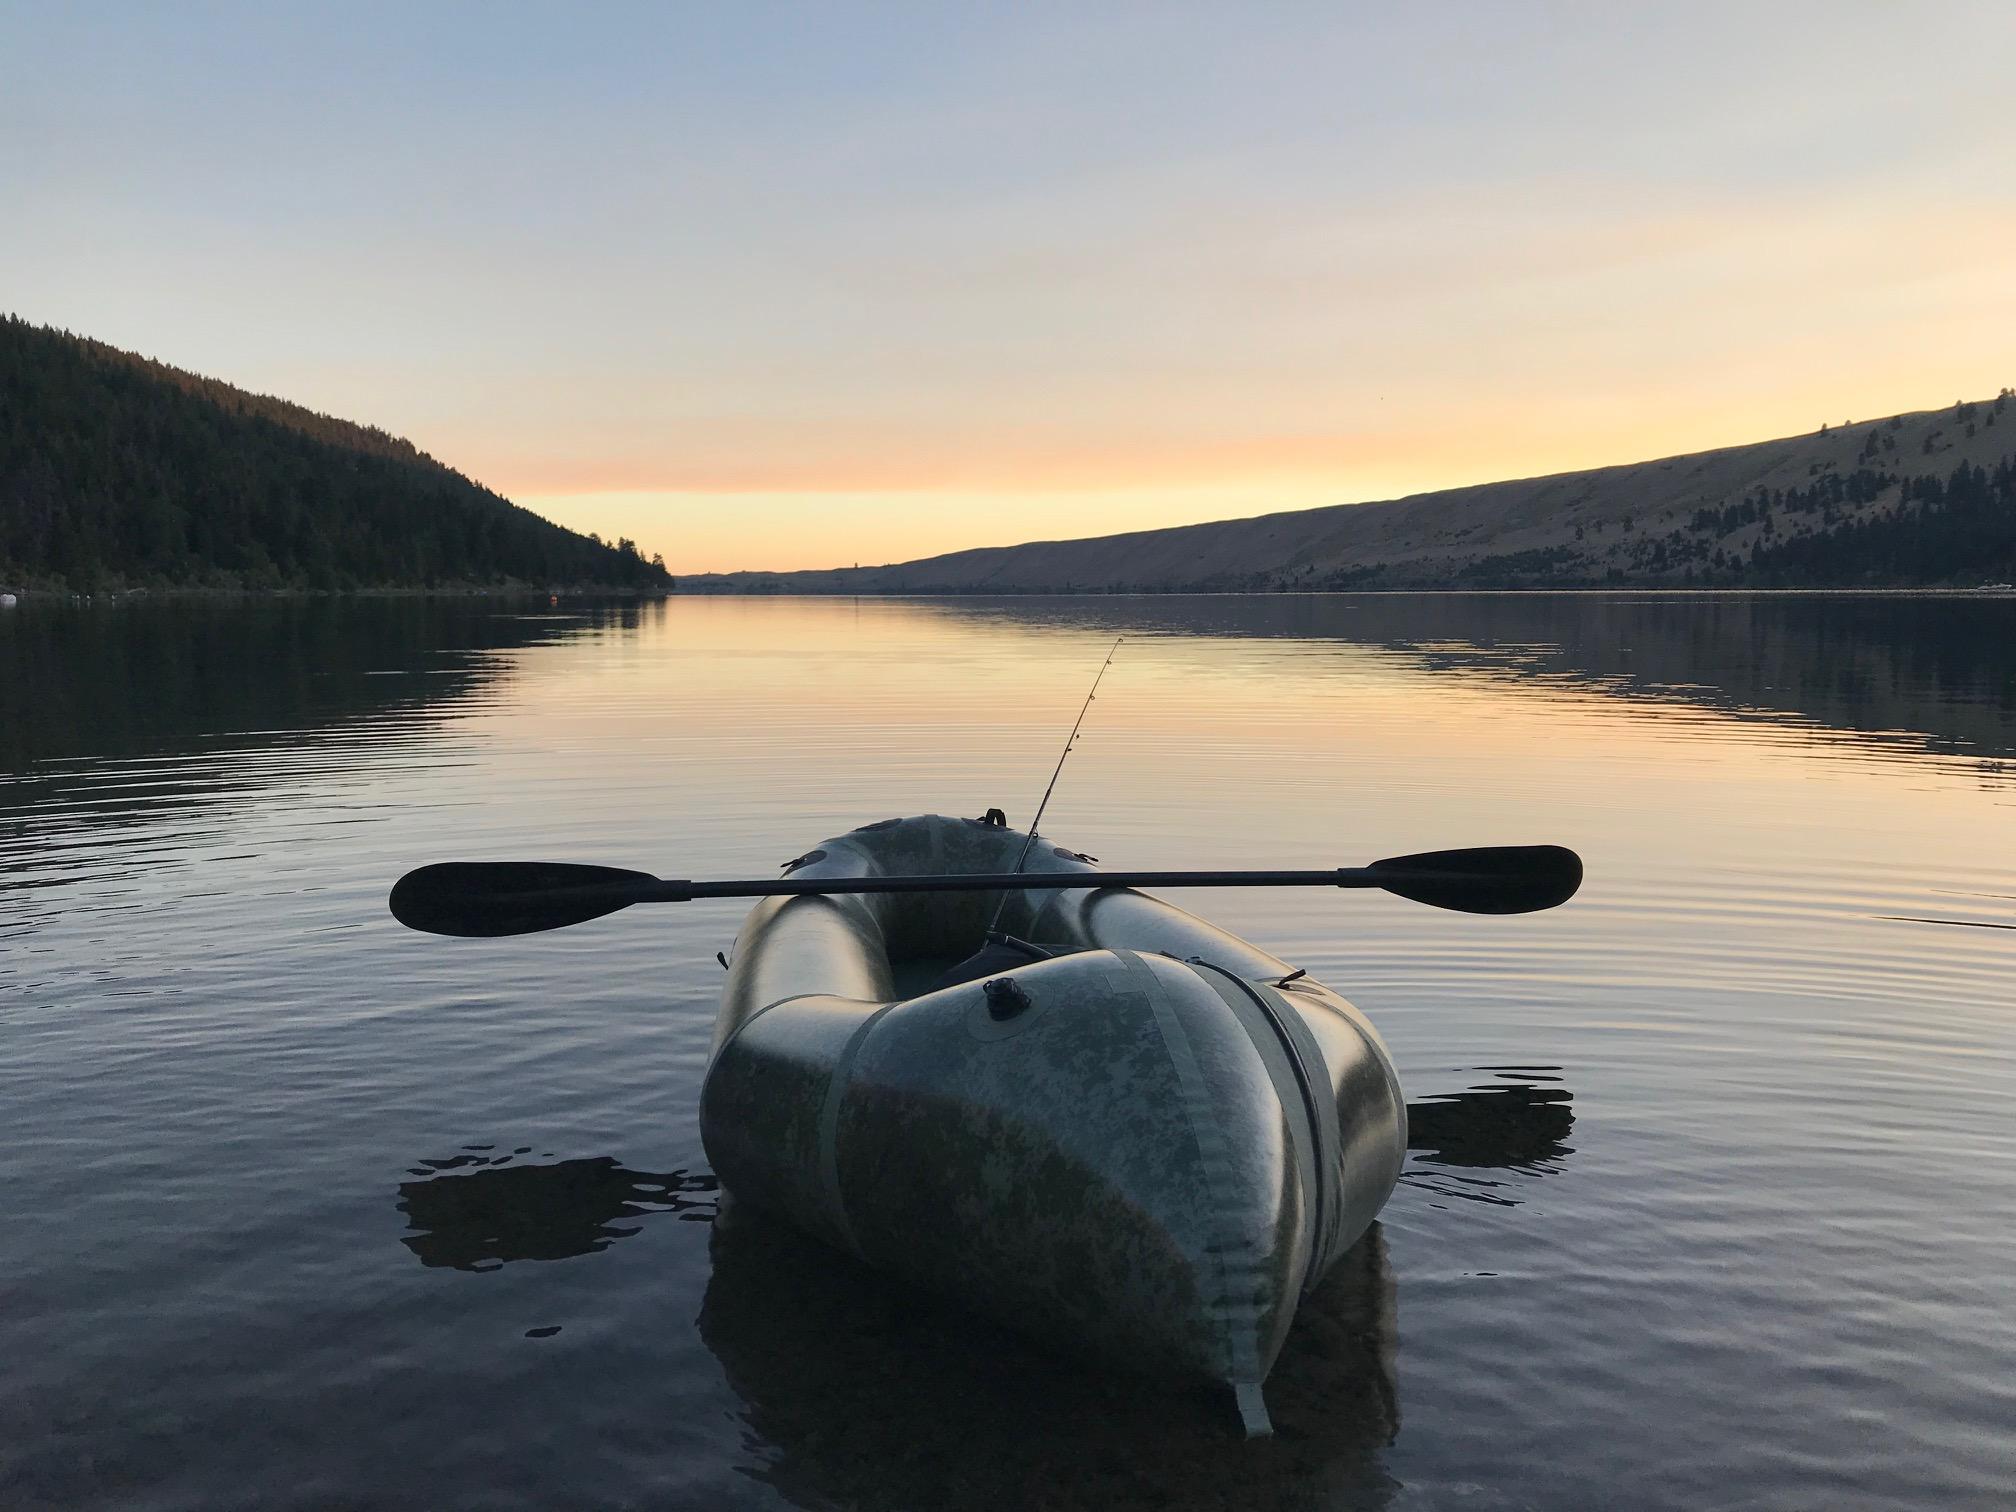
point(776, 286)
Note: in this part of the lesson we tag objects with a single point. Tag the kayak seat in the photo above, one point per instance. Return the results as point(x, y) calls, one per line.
point(1001, 952)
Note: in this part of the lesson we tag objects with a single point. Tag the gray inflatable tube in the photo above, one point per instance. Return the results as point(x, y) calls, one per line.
point(1145, 1149)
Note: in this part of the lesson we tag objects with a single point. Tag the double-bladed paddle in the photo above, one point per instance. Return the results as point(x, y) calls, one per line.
point(489, 898)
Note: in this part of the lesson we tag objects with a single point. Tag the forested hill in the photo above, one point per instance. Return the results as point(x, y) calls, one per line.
point(120, 472)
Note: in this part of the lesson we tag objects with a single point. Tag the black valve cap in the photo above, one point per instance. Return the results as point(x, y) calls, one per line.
point(1005, 998)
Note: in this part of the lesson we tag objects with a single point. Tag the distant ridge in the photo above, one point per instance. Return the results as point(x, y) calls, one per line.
point(1923, 499)
point(119, 472)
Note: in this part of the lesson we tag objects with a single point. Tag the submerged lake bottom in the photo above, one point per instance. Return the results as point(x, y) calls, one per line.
point(1709, 1181)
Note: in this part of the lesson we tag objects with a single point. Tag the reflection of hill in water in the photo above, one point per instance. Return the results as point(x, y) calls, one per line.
point(1934, 668)
point(131, 708)
point(162, 675)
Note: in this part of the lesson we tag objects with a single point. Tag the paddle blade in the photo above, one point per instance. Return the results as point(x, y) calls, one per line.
point(1495, 879)
point(484, 899)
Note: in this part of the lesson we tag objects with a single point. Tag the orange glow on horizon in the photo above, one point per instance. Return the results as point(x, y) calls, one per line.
point(1425, 344)
point(838, 508)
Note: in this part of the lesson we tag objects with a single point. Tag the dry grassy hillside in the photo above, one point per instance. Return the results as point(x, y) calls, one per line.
point(1724, 516)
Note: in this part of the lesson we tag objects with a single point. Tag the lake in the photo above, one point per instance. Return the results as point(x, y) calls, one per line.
point(1713, 1176)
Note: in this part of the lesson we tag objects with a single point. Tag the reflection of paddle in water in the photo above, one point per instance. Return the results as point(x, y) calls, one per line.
point(479, 1219)
point(1520, 1123)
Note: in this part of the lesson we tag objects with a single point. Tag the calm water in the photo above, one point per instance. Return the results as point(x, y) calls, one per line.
point(1714, 1183)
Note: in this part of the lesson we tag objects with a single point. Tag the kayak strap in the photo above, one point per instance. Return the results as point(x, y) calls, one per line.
point(1321, 1153)
point(829, 1132)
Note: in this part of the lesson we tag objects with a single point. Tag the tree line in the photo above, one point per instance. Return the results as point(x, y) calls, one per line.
point(117, 472)
point(1957, 529)
point(1937, 530)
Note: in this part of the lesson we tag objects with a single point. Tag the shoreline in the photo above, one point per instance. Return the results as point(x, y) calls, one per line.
point(132, 595)
point(43, 597)
point(1991, 591)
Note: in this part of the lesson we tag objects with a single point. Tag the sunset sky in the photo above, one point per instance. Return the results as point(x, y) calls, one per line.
point(776, 286)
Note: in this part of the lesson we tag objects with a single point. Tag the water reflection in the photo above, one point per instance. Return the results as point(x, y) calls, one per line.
point(856, 1390)
point(863, 1393)
point(117, 715)
point(1927, 672)
point(202, 1055)
point(1519, 1122)
point(485, 1214)
point(859, 1392)
point(162, 675)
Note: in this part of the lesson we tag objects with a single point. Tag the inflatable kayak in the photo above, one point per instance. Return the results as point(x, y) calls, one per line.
point(1084, 1112)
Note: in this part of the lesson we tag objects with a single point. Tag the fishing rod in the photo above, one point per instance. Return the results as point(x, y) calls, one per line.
point(1070, 740)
